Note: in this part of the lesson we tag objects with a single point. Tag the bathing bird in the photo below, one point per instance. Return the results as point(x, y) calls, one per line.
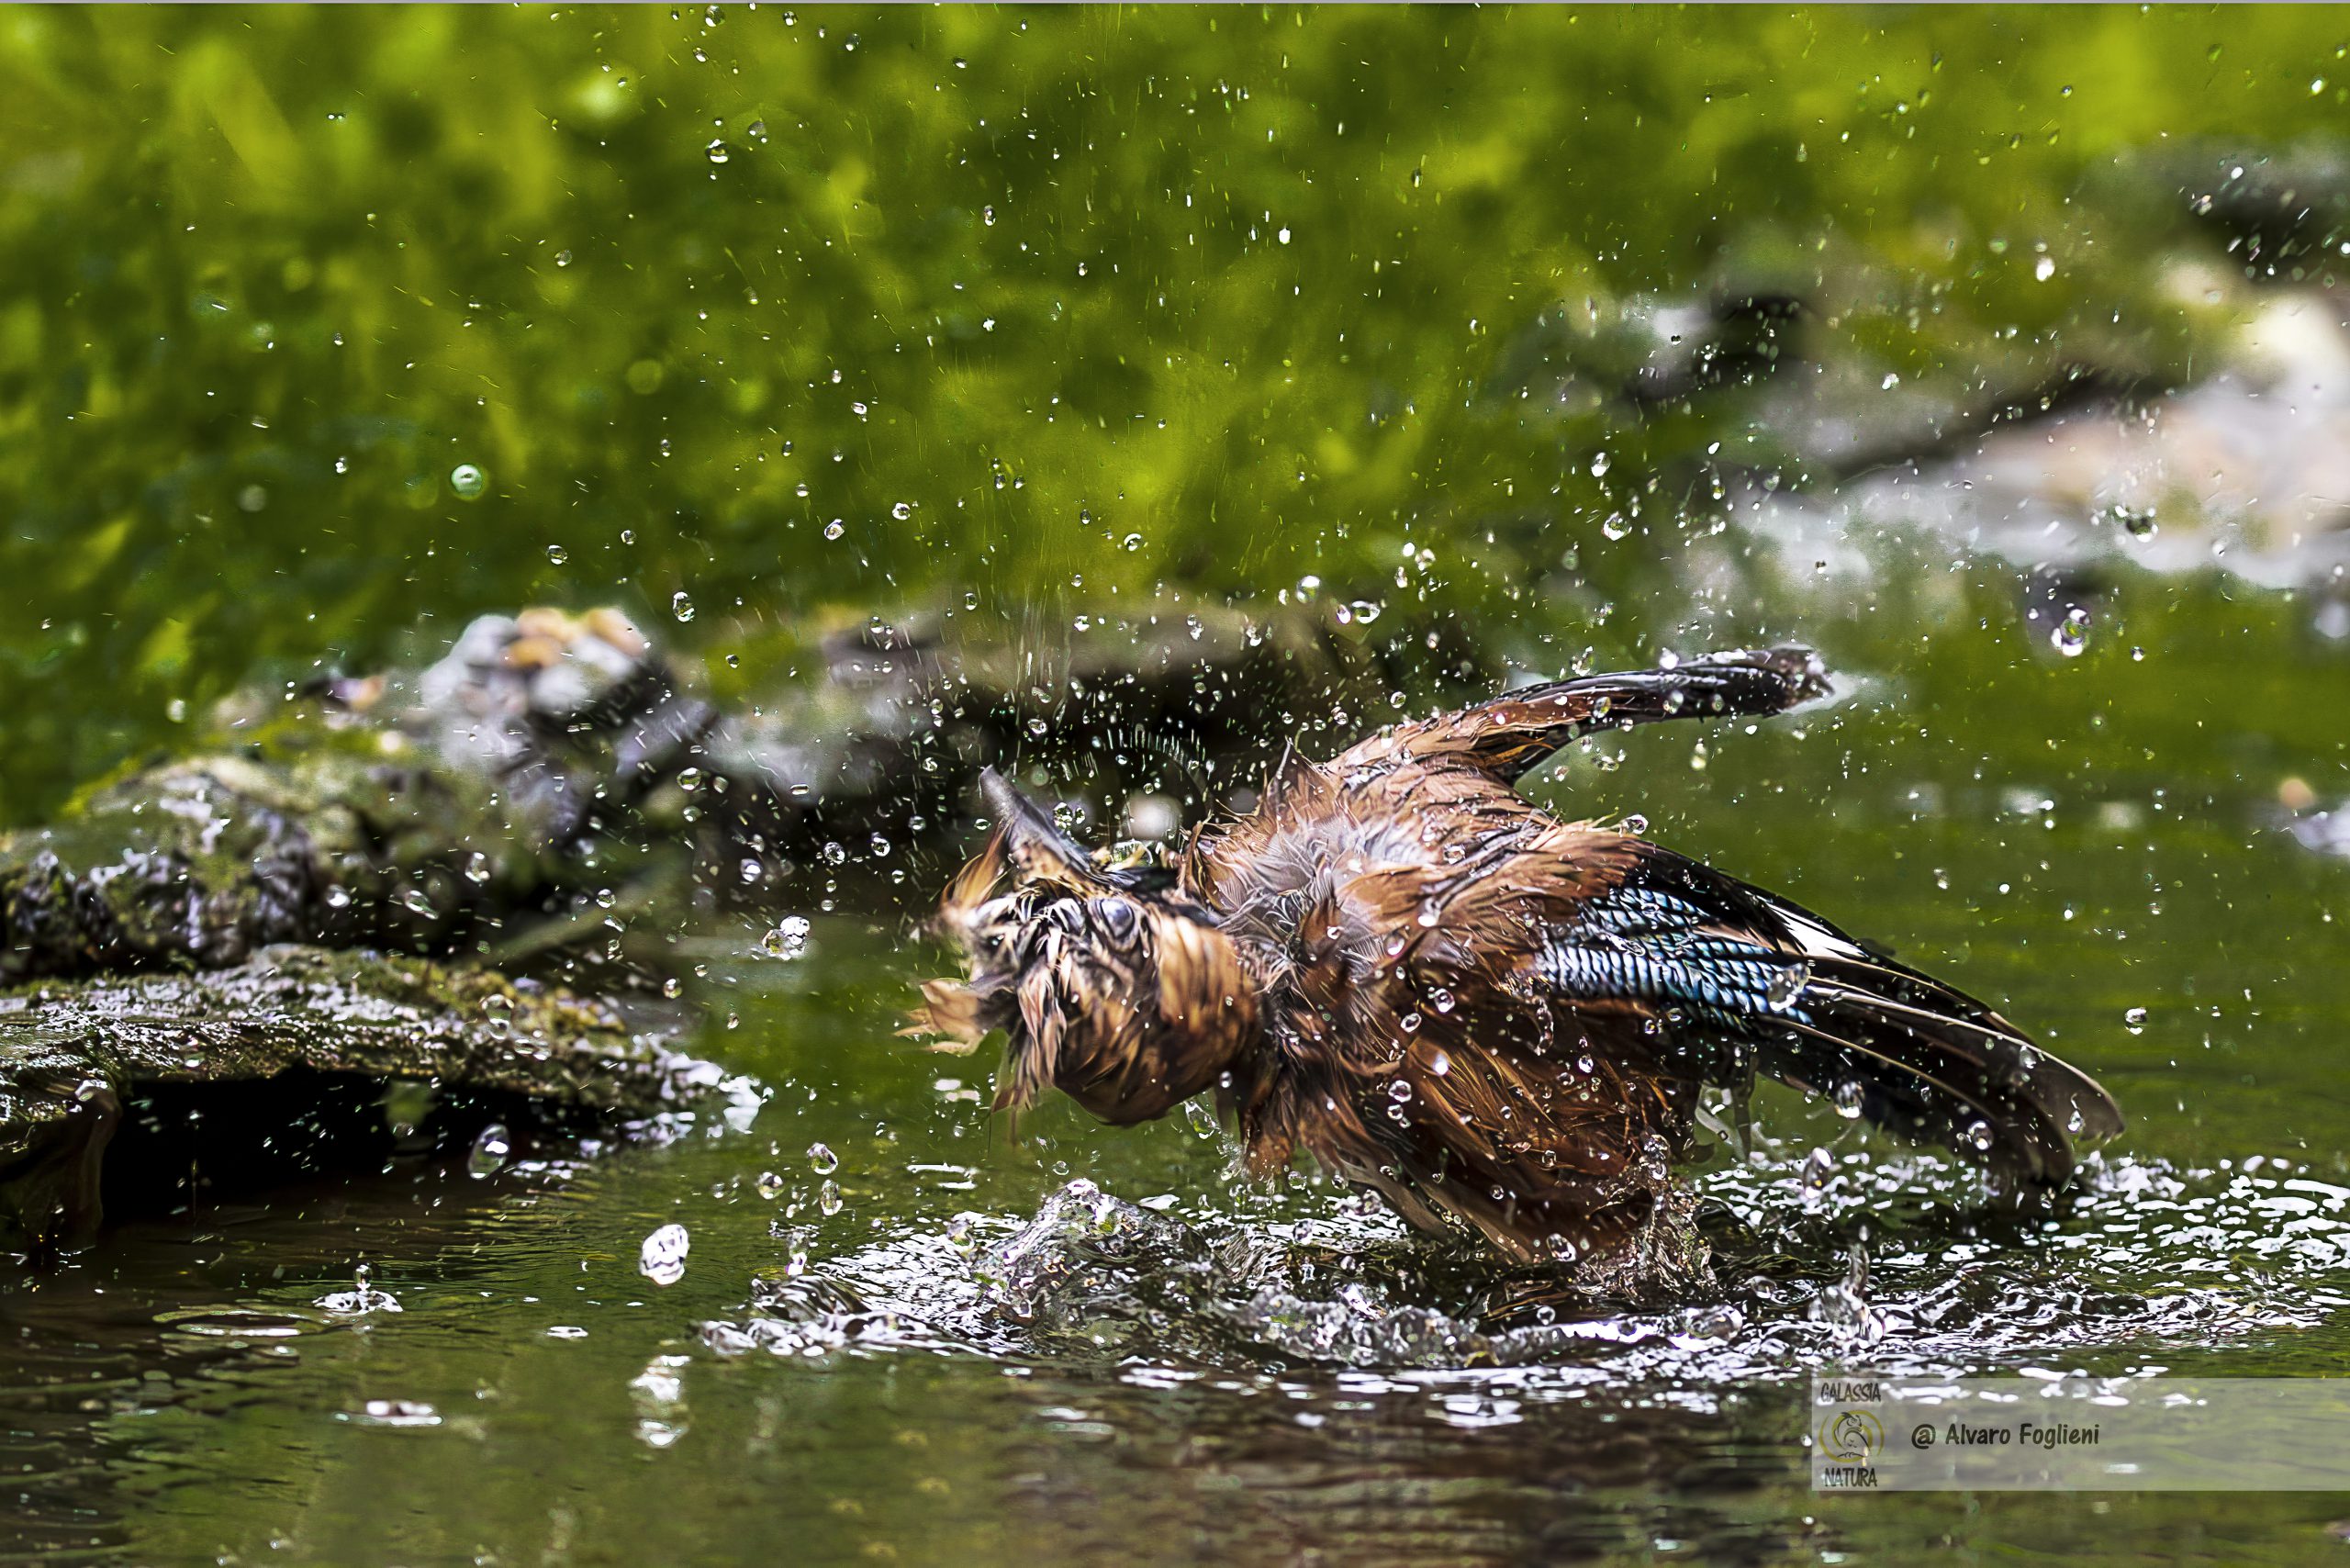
point(1495, 1018)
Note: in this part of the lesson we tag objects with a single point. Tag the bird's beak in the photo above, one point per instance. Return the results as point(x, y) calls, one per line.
point(1028, 834)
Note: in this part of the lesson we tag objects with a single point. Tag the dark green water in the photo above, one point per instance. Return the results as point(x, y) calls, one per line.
point(248, 247)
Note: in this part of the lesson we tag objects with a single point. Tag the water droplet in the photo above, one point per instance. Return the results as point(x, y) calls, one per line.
point(2072, 633)
point(498, 1013)
point(1980, 1136)
point(1202, 1119)
point(662, 1258)
point(1067, 816)
point(822, 1160)
point(828, 1199)
point(789, 939)
point(834, 855)
point(1441, 1000)
point(2134, 1020)
point(1849, 1096)
point(770, 1186)
point(1656, 1158)
point(1600, 463)
point(717, 153)
point(2044, 268)
point(557, 555)
point(606, 898)
point(1038, 728)
point(469, 482)
point(681, 606)
point(361, 1298)
point(1786, 984)
point(489, 1153)
point(833, 528)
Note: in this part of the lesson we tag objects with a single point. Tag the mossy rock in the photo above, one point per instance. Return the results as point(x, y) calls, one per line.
point(75, 1054)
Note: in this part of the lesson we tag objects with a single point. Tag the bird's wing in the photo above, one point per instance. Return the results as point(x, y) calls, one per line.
point(1505, 736)
point(1743, 981)
point(1548, 1008)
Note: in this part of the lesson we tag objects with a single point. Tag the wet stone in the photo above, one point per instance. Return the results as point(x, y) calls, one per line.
point(98, 1076)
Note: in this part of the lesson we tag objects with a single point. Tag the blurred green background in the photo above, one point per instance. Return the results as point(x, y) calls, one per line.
point(1040, 305)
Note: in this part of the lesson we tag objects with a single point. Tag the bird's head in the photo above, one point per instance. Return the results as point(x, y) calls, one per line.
point(1108, 982)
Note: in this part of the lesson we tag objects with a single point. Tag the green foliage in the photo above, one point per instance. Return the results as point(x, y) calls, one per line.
point(1036, 305)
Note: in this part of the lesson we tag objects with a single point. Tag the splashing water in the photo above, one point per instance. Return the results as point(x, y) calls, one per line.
point(1883, 1264)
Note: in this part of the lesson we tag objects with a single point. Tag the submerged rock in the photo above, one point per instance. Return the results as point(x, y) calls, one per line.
point(77, 1058)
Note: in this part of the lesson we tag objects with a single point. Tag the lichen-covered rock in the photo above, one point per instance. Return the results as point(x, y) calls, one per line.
point(375, 816)
point(75, 1053)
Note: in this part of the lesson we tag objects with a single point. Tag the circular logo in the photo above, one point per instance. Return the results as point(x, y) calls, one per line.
point(1849, 1436)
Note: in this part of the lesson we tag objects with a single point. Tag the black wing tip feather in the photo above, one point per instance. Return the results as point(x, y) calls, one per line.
point(1729, 681)
point(1783, 677)
point(1801, 670)
point(1932, 1063)
point(1981, 1089)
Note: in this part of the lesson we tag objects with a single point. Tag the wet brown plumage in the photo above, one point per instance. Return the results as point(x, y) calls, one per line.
point(1400, 966)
